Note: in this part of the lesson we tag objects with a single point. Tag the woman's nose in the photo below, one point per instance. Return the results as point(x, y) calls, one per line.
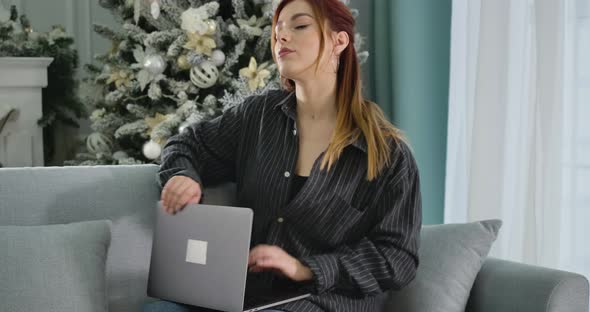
point(283, 36)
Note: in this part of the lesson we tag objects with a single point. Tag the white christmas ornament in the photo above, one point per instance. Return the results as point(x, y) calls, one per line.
point(155, 9)
point(118, 155)
point(211, 27)
point(183, 127)
point(204, 75)
point(195, 20)
point(99, 143)
point(218, 57)
point(152, 150)
point(155, 64)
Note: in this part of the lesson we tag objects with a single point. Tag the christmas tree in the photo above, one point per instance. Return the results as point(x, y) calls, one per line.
point(174, 63)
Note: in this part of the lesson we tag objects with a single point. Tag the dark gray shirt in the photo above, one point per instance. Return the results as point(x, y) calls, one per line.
point(359, 238)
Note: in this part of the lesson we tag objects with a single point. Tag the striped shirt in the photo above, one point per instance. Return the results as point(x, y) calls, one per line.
point(359, 238)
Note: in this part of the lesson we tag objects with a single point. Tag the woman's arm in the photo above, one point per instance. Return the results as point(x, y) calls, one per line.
point(387, 258)
point(206, 151)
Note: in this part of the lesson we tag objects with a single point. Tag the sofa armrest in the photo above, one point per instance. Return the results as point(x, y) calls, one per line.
point(503, 286)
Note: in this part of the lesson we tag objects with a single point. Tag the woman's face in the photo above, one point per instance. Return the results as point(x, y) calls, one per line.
point(298, 31)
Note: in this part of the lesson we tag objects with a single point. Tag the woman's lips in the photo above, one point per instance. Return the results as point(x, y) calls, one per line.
point(283, 53)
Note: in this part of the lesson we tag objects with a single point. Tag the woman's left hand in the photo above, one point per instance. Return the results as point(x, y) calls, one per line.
point(273, 258)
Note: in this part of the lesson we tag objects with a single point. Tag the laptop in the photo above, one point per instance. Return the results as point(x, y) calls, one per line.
point(200, 258)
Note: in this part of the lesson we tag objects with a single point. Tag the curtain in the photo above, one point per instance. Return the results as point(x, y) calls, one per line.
point(514, 148)
point(410, 81)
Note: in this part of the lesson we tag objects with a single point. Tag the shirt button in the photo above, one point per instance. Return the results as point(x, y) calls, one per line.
point(280, 220)
point(294, 131)
point(287, 174)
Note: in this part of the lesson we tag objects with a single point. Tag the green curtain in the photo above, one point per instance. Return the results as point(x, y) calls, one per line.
point(410, 45)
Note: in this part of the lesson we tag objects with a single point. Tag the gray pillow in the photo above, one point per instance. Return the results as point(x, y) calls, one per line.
point(54, 267)
point(451, 255)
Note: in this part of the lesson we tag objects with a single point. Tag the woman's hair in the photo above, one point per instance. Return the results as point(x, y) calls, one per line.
point(355, 113)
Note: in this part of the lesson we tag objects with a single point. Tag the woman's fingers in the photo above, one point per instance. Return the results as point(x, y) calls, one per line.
point(265, 257)
point(255, 269)
point(268, 264)
point(179, 194)
point(257, 252)
point(260, 264)
point(193, 196)
point(167, 193)
point(189, 189)
point(178, 191)
point(272, 258)
point(185, 194)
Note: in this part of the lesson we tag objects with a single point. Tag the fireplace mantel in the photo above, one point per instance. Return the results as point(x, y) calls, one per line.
point(21, 81)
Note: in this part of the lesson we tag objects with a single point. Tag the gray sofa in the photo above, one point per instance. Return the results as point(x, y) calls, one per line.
point(127, 196)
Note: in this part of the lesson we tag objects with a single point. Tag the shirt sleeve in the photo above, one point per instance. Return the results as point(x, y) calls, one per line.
point(206, 151)
point(386, 258)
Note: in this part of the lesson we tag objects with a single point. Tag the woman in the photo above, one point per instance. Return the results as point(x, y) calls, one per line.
point(334, 188)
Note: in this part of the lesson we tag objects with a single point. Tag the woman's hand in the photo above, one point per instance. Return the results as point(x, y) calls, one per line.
point(178, 192)
point(273, 258)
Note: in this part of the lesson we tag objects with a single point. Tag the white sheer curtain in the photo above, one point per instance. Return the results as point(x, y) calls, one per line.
point(518, 130)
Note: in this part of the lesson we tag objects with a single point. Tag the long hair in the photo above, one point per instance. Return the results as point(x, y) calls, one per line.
point(355, 113)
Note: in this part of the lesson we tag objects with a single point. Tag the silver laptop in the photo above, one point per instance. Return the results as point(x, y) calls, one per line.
point(200, 258)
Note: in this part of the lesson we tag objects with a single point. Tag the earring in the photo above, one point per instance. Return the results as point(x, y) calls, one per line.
point(336, 60)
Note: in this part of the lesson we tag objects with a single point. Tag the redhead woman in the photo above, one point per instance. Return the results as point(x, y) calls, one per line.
point(333, 185)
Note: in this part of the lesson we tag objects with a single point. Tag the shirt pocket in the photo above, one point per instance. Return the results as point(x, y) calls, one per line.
point(331, 221)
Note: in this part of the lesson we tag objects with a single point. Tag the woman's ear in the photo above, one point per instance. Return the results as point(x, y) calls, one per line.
point(341, 41)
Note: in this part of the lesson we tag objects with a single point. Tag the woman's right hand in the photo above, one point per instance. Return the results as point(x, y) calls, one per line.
point(178, 192)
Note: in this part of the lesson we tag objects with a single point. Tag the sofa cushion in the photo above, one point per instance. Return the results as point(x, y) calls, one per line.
point(54, 267)
point(450, 258)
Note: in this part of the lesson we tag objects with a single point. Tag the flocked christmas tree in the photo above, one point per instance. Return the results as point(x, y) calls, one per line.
point(175, 62)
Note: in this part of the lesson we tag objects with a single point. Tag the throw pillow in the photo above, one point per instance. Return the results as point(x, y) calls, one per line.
point(54, 267)
point(451, 255)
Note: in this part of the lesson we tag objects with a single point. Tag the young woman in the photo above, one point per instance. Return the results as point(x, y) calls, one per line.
point(333, 185)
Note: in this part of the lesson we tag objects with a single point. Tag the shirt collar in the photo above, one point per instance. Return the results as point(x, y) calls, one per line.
point(360, 143)
point(288, 105)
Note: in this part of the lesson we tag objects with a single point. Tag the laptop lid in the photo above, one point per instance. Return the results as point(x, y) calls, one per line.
point(200, 256)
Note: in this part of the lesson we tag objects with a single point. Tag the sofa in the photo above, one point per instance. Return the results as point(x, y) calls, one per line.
point(127, 196)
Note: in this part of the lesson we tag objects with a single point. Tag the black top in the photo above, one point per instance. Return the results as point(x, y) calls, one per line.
point(298, 182)
point(359, 238)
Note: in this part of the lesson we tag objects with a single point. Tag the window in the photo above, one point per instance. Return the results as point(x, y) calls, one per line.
point(576, 169)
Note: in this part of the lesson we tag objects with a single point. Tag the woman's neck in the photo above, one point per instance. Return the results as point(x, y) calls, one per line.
point(316, 100)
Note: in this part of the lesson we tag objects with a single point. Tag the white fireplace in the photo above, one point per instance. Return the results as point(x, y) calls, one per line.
point(21, 81)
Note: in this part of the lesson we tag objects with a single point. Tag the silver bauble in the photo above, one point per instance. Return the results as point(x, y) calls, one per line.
point(211, 26)
point(217, 57)
point(204, 75)
point(155, 9)
point(118, 155)
point(183, 126)
point(99, 143)
point(155, 64)
point(152, 150)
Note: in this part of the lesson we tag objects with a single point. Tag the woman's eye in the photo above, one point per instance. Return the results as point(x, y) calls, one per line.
point(301, 27)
